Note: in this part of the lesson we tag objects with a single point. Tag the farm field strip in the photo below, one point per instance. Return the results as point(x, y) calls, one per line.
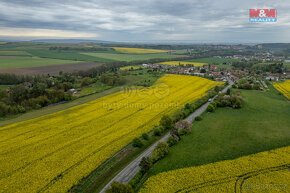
point(137, 50)
point(213, 60)
point(127, 57)
point(270, 167)
point(177, 63)
point(23, 62)
point(283, 87)
point(130, 67)
point(66, 55)
point(14, 53)
point(55, 151)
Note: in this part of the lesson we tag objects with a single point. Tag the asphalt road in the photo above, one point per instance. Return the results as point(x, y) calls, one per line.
point(132, 169)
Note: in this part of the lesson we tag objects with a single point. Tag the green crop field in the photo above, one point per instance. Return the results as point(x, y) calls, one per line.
point(4, 87)
point(213, 60)
point(14, 53)
point(67, 55)
point(23, 62)
point(260, 125)
point(224, 66)
point(266, 63)
point(179, 52)
point(128, 57)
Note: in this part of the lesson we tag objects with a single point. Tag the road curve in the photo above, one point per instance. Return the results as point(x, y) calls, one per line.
point(132, 168)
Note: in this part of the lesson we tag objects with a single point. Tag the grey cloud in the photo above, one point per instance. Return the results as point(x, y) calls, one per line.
point(148, 19)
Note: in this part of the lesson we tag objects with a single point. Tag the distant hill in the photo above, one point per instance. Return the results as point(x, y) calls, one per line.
point(70, 41)
point(276, 45)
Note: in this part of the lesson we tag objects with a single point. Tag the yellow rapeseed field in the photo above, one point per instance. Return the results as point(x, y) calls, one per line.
point(262, 172)
point(130, 67)
point(138, 50)
point(283, 87)
point(53, 152)
point(177, 63)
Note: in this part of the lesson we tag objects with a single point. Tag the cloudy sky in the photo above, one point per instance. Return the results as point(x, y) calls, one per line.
point(200, 21)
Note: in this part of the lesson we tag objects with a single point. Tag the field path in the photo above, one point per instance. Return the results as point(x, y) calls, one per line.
point(132, 168)
point(51, 69)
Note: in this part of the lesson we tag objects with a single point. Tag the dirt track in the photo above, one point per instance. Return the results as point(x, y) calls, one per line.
point(52, 70)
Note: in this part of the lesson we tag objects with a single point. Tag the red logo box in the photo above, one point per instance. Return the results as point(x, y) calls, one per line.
point(263, 13)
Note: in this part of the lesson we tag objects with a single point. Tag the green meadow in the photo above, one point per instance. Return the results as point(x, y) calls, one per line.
point(24, 62)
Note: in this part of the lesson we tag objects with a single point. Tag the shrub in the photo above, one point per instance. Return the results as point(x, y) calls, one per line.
point(86, 81)
point(178, 115)
point(4, 109)
point(211, 93)
point(157, 131)
point(166, 122)
point(183, 124)
point(21, 109)
point(256, 87)
point(186, 112)
point(174, 133)
point(135, 181)
point(236, 102)
point(228, 91)
point(198, 118)
point(117, 187)
point(210, 108)
point(137, 142)
point(171, 141)
point(187, 106)
point(216, 88)
point(233, 101)
point(145, 136)
point(247, 86)
point(242, 81)
point(145, 164)
point(182, 132)
point(159, 152)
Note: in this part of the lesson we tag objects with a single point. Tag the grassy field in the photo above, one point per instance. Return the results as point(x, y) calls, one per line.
point(261, 124)
point(22, 62)
point(79, 139)
point(212, 60)
point(265, 63)
point(179, 52)
point(128, 57)
point(224, 66)
point(4, 87)
point(137, 50)
point(94, 88)
point(67, 55)
point(14, 53)
point(141, 77)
